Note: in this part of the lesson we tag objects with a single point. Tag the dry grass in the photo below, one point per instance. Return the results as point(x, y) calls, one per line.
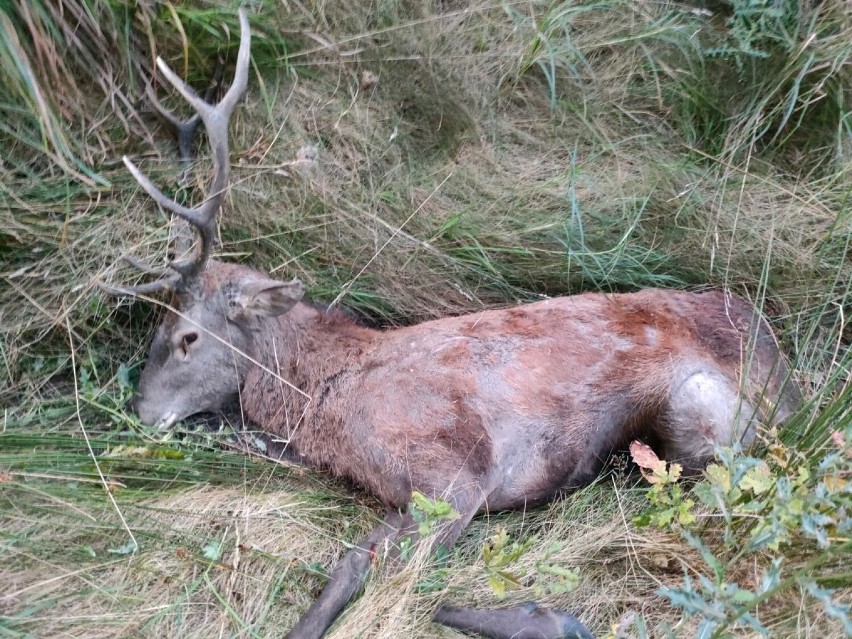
point(269, 530)
point(64, 578)
point(506, 151)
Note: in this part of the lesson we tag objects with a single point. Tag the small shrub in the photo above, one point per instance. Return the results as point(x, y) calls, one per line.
point(789, 515)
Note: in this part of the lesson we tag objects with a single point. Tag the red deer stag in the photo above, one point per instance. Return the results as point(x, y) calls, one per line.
point(495, 410)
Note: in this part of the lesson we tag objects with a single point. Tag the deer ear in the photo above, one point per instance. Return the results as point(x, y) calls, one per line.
point(264, 298)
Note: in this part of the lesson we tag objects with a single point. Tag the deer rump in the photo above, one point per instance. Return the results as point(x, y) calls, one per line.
point(495, 410)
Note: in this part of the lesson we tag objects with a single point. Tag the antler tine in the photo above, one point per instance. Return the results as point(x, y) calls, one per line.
point(203, 216)
point(141, 289)
point(184, 130)
point(155, 193)
point(170, 282)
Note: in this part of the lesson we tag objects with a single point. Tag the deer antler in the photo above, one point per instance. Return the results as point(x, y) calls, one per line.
point(184, 130)
point(203, 216)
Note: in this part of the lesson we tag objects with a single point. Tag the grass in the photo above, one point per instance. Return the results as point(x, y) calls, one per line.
point(507, 151)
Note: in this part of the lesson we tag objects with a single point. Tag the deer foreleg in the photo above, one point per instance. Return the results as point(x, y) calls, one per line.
point(346, 578)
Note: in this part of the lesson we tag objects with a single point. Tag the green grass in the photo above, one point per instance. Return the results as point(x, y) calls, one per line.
point(507, 151)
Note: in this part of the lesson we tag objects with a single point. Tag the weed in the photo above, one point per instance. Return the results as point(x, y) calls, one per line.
point(758, 510)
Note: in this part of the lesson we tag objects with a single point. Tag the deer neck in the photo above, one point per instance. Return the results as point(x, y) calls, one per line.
point(294, 356)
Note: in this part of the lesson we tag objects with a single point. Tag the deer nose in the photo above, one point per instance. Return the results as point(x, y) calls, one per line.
point(147, 414)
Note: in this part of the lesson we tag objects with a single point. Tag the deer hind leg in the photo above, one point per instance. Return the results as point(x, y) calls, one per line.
point(527, 621)
point(523, 622)
point(705, 409)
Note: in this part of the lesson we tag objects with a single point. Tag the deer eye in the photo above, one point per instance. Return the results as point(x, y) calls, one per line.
point(186, 341)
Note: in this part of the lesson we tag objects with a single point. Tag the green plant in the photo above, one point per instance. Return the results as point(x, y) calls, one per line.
point(500, 556)
point(429, 513)
point(755, 26)
point(508, 151)
point(668, 505)
point(788, 515)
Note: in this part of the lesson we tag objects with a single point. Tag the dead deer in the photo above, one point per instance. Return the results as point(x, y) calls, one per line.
point(499, 409)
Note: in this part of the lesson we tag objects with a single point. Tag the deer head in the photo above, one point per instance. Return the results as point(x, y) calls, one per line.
point(196, 362)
